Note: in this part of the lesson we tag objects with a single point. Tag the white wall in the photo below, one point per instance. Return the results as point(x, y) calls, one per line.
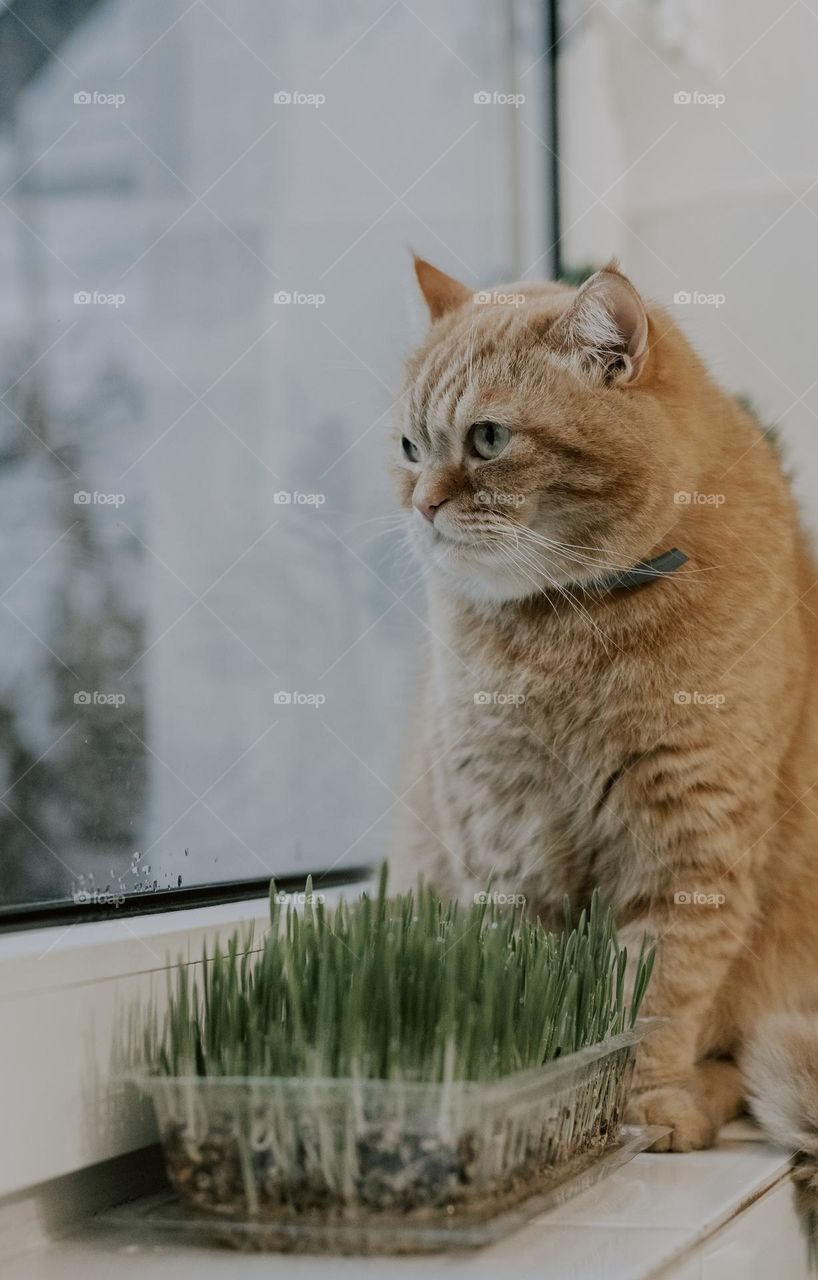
point(723, 200)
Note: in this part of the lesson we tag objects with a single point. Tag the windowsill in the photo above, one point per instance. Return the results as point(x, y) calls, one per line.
point(726, 1214)
point(36, 960)
point(62, 993)
point(64, 998)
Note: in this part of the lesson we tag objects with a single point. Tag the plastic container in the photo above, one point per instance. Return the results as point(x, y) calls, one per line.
point(385, 1166)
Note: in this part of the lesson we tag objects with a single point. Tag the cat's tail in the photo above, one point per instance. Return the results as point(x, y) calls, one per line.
point(780, 1069)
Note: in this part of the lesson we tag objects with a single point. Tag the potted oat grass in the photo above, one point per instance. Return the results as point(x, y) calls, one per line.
point(383, 1075)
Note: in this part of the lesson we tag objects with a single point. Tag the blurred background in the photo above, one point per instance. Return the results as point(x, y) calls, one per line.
point(209, 623)
point(688, 145)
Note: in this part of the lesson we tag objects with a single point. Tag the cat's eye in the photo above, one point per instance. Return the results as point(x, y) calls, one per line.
point(410, 450)
point(489, 439)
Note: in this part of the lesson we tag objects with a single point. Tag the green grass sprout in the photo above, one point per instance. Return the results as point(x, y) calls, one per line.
point(409, 987)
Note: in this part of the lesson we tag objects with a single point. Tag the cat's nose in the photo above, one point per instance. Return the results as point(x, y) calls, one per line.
point(427, 508)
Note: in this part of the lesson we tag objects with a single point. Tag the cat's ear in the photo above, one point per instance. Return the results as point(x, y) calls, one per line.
point(442, 293)
point(605, 329)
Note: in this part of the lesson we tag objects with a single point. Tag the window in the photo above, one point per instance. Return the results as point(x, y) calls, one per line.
point(208, 627)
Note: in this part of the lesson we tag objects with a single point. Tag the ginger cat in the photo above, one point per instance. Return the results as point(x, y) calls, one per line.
point(655, 735)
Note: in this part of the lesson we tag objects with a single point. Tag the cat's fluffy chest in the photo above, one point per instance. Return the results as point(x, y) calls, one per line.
point(524, 750)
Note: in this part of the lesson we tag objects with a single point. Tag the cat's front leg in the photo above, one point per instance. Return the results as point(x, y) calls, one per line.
point(698, 933)
point(694, 1109)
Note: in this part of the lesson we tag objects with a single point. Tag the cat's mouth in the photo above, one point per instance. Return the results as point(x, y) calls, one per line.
point(440, 536)
point(508, 568)
point(448, 544)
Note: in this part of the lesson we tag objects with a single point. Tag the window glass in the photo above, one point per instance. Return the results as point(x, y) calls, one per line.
point(209, 626)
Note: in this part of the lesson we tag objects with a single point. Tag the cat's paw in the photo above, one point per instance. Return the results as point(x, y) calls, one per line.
point(691, 1126)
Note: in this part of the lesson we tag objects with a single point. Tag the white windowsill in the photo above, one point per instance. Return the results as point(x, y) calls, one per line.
point(725, 1214)
point(716, 1215)
point(33, 960)
point(64, 996)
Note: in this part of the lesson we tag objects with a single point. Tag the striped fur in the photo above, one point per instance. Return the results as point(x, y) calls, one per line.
point(660, 743)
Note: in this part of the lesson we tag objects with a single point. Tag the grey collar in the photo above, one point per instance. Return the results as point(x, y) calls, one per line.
point(643, 571)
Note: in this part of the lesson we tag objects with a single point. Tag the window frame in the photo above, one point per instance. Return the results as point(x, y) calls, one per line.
point(164, 901)
point(34, 915)
point(68, 970)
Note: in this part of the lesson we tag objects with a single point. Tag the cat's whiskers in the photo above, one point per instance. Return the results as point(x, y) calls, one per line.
point(399, 517)
point(520, 544)
point(567, 551)
point(523, 558)
point(523, 533)
point(438, 555)
point(676, 609)
point(601, 563)
point(383, 533)
point(517, 570)
point(606, 565)
point(405, 556)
